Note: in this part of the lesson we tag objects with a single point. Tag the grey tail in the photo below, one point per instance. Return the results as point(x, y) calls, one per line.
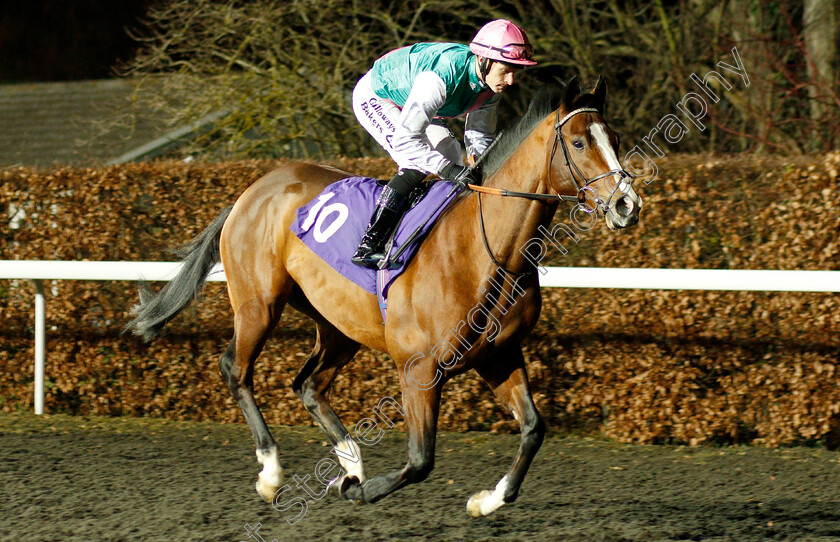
point(199, 256)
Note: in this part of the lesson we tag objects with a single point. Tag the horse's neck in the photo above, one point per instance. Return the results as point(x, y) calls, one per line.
point(510, 222)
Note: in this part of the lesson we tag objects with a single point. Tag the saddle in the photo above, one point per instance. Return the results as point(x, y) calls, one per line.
point(333, 223)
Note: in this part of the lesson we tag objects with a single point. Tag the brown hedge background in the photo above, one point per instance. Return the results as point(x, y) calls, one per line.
point(643, 366)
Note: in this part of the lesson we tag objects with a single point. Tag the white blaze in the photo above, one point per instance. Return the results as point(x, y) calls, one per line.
point(602, 141)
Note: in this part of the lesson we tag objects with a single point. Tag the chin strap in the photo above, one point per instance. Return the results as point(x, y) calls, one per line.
point(483, 68)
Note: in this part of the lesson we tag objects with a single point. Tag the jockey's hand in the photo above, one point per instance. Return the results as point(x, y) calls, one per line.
point(454, 172)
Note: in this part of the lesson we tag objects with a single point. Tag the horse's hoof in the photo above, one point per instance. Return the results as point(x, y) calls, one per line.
point(351, 489)
point(474, 504)
point(266, 489)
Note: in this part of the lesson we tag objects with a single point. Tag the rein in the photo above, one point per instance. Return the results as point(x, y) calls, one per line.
point(527, 195)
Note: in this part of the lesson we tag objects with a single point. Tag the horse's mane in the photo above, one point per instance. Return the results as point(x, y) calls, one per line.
point(546, 100)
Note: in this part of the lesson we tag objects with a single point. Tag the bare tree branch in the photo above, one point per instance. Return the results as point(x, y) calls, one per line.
point(285, 70)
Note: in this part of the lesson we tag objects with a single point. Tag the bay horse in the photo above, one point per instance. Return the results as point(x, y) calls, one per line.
point(561, 149)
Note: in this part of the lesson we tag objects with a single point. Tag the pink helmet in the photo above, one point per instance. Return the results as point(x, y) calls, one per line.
point(503, 41)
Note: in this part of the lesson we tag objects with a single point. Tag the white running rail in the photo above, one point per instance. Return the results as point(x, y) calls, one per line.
point(563, 277)
point(40, 270)
point(745, 280)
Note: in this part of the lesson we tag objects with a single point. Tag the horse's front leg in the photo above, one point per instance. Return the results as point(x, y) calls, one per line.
point(421, 408)
point(508, 378)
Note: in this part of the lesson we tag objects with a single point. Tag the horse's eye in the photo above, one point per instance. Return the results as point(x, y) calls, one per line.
point(578, 144)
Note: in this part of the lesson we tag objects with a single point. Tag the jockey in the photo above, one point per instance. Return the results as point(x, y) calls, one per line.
point(403, 98)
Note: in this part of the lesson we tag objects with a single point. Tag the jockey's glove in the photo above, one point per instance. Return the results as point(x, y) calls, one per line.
point(455, 172)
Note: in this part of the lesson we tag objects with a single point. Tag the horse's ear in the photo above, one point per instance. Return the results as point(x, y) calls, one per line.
point(572, 92)
point(600, 93)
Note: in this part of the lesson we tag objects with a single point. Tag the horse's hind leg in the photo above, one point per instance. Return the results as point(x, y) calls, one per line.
point(331, 353)
point(253, 321)
point(421, 409)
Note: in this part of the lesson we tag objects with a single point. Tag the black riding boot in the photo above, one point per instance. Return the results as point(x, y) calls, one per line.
point(389, 208)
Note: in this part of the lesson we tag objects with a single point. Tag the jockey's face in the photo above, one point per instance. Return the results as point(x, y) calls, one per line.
point(500, 76)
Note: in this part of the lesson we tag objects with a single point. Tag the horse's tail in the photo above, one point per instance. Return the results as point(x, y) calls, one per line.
point(199, 256)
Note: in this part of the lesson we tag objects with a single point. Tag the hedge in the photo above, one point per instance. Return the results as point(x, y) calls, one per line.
point(638, 366)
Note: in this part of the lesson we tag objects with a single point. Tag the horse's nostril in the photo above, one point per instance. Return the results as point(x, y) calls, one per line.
point(624, 206)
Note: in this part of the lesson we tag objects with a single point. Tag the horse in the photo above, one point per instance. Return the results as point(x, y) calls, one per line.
point(465, 301)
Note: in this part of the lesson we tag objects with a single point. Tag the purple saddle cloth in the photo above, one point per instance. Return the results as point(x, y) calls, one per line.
point(332, 226)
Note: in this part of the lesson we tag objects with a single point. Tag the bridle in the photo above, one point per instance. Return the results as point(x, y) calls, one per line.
point(573, 169)
point(574, 174)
